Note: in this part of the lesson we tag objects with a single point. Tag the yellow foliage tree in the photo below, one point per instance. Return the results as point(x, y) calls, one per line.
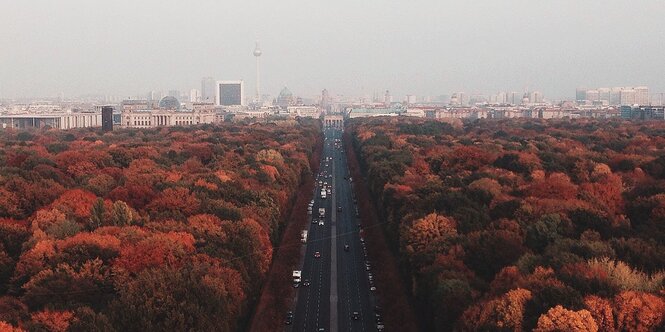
point(560, 319)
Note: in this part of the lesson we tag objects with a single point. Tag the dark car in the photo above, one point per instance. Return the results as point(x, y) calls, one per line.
point(289, 318)
point(317, 254)
point(355, 315)
point(306, 282)
point(346, 247)
point(339, 208)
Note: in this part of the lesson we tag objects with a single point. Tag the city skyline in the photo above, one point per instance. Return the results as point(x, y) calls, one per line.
point(419, 48)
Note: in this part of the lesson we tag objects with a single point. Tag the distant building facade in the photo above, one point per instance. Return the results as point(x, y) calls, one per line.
point(107, 118)
point(52, 120)
point(304, 111)
point(168, 115)
point(627, 96)
point(208, 86)
point(230, 93)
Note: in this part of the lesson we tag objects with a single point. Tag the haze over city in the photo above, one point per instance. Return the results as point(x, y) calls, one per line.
point(75, 47)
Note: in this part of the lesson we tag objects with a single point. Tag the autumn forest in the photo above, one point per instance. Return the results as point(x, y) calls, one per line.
point(143, 230)
point(523, 225)
point(502, 225)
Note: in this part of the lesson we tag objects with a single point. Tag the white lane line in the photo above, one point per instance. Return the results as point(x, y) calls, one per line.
point(333, 257)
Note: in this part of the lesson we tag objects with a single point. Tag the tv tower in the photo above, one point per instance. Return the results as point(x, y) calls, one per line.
point(257, 55)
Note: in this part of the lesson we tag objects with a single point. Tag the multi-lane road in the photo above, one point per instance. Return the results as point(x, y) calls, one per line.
point(336, 292)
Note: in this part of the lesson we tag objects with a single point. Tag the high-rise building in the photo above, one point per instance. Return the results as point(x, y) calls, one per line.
point(325, 99)
point(514, 98)
point(195, 96)
point(592, 95)
point(501, 98)
point(604, 95)
point(208, 86)
point(536, 97)
point(230, 93)
point(642, 95)
point(107, 118)
point(580, 94)
point(628, 97)
point(615, 96)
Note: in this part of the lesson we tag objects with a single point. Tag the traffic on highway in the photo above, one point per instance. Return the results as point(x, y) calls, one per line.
point(335, 280)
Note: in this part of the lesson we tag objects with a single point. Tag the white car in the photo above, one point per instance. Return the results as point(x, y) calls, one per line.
point(320, 222)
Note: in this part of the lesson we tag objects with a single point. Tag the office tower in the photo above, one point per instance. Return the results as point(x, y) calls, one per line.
point(194, 96)
point(325, 99)
point(208, 93)
point(514, 98)
point(628, 97)
point(642, 95)
point(604, 95)
point(580, 94)
point(107, 118)
point(592, 95)
point(230, 93)
point(615, 96)
point(257, 55)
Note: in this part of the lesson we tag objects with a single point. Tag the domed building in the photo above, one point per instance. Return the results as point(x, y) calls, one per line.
point(169, 103)
point(285, 98)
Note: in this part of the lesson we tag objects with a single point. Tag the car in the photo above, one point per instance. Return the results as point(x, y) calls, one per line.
point(321, 222)
point(380, 327)
point(372, 288)
point(367, 268)
point(362, 239)
point(321, 329)
point(306, 282)
point(339, 208)
point(346, 247)
point(314, 221)
point(357, 213)
point(355, 315)
point(296, 284)
point(317, 254)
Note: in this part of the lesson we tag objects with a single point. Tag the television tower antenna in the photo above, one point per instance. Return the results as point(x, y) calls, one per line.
point(257, 55)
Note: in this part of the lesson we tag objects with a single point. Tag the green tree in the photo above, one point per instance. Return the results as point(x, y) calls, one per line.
point(97, 216)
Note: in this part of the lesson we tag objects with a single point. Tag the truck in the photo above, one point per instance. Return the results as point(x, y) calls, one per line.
point(322, 212)
point(296, 276)
point(323, 193)
point(303, 236)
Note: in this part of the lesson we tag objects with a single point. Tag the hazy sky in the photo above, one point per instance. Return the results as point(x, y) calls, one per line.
point(351, 47)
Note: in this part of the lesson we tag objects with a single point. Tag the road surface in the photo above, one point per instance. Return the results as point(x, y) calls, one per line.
point(339, 280)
